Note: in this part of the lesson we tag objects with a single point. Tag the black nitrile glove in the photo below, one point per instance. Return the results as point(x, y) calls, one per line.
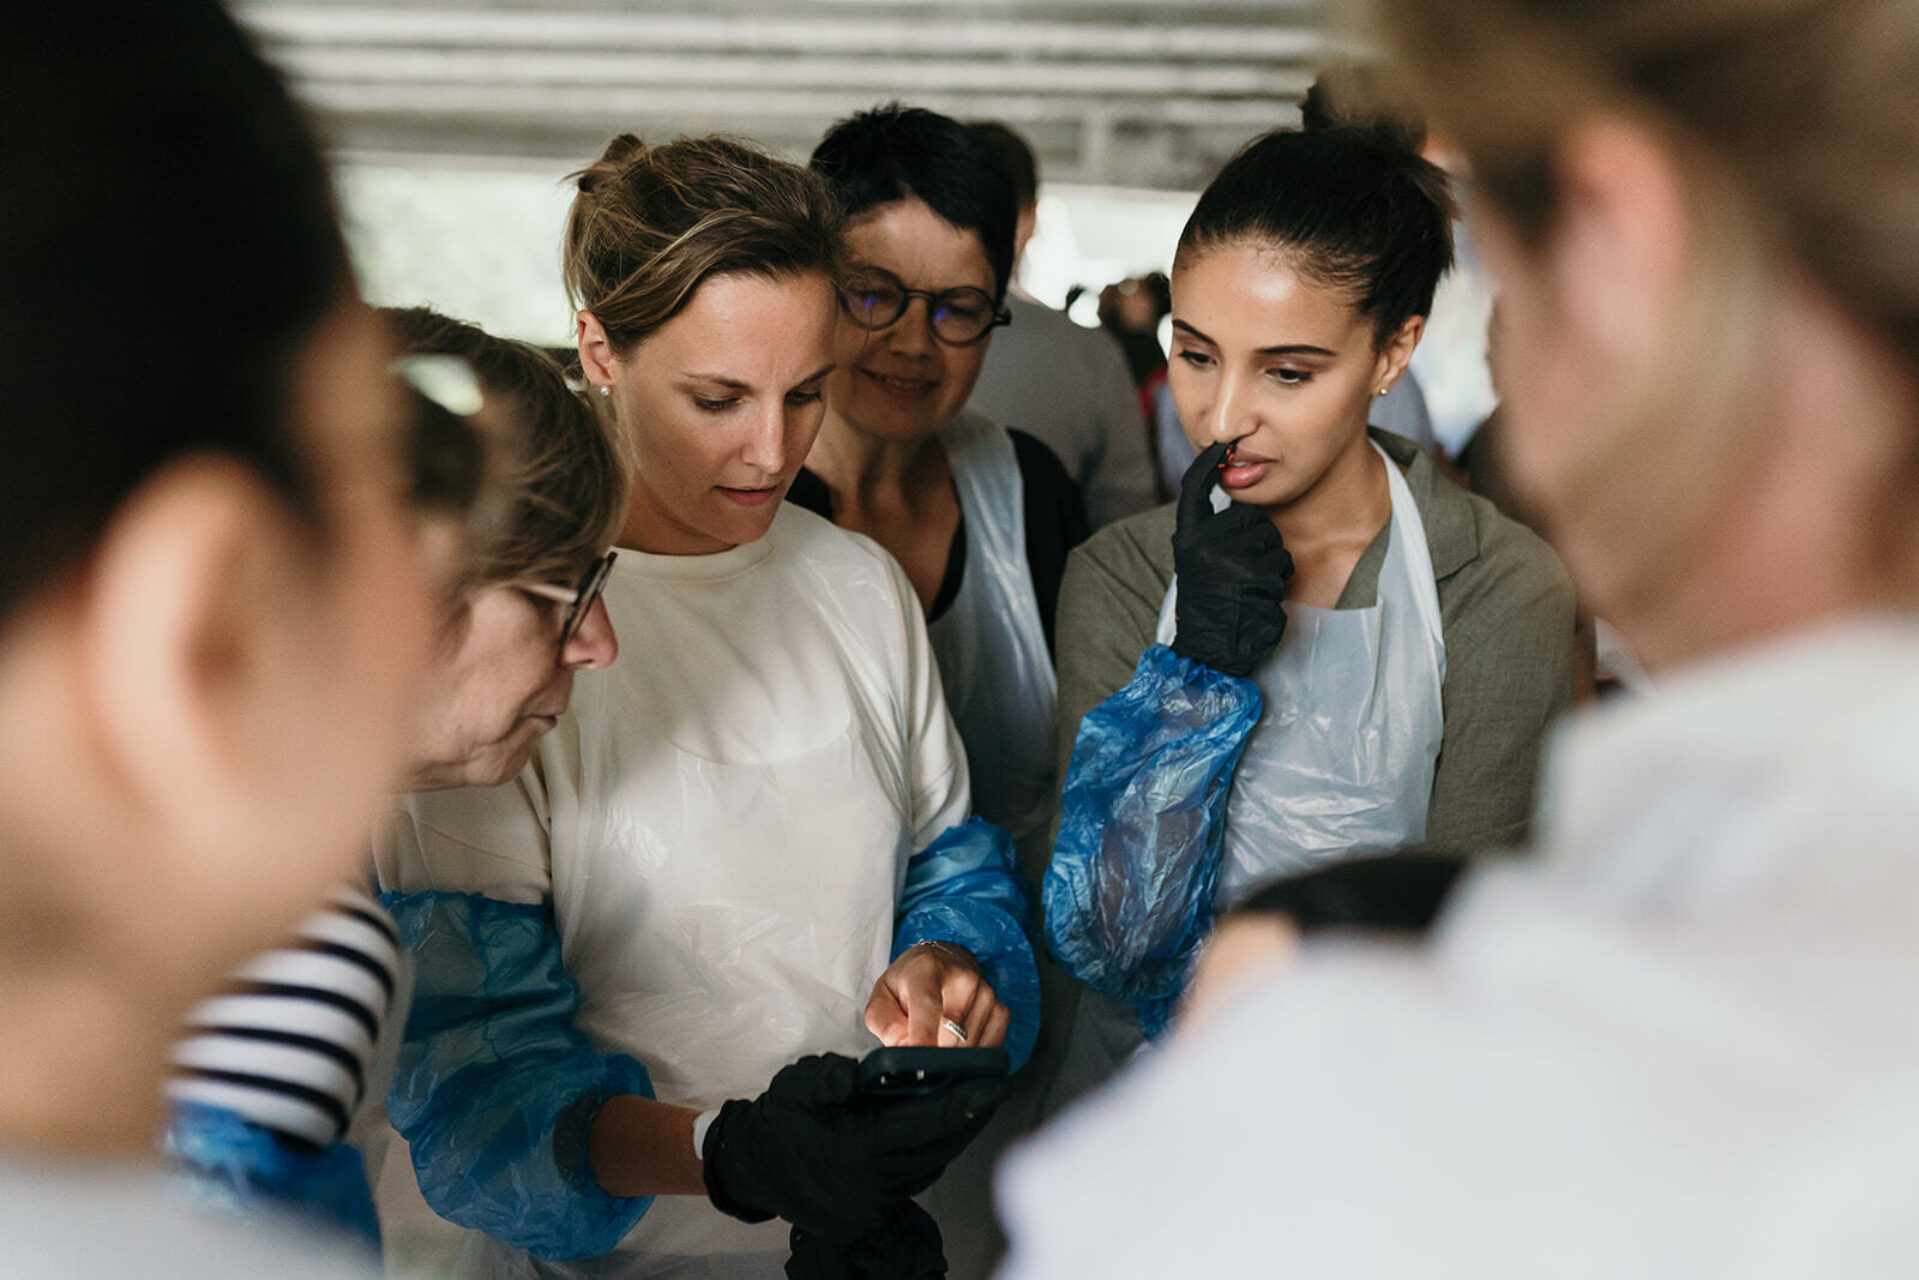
point(906, 1246)
point(1233, 570)
point(815, 1152)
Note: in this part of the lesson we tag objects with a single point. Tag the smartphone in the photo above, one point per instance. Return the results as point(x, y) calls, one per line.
point(911, 1072)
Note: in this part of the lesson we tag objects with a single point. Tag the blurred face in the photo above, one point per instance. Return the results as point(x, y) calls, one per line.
point(722, 404)
point(1552, 392)
point(352, 650)
point(901, 382)
point(502, 681)
point(1283, 368)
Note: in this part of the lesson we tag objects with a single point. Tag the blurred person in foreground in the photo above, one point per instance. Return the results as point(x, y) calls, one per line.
point(215, 597)
point(1681, 1042)
point(1065, 383)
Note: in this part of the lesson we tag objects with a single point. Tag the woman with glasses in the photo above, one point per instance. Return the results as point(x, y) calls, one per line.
point(647, 968)
point(529, 617)
point(274, 1071)
point(979, 517)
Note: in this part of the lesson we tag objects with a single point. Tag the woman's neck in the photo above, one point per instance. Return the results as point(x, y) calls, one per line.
point(865, 470)
point(897, 492)
point(650, 528)
point(1328, 528)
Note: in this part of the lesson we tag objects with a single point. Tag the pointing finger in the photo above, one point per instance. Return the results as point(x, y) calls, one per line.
point(1196, 487)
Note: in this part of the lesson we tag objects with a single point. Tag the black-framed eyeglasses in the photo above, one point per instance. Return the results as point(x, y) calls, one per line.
point(579, 598)
point(875, 299)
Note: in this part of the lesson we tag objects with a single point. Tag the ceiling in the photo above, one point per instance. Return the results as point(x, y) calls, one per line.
point(1137, 93)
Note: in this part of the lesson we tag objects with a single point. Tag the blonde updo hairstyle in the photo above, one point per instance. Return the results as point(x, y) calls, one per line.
point(651, 223)
point(1796, 137)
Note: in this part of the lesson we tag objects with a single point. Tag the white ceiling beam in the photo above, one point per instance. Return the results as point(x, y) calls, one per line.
point(528, 29)
point(577, 70)
point(533, 103)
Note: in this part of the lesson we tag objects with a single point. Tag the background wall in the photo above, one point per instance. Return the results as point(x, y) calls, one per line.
point(456, 122)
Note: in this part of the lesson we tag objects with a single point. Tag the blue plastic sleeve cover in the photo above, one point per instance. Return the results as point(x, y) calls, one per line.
point(497, 1087)
point(1129, 891)
point(231, 1165)
point(966, 888)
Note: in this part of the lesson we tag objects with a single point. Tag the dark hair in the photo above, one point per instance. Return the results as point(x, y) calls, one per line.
point(896, 152)
point(165, 201)
point(651, 223)
point(1349, 208)
point(1363, 96)
point(1012, 155)
point(563, 468)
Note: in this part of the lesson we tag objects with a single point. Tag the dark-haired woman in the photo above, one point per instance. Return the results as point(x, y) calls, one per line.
point(1323, 648)
point(980, 517)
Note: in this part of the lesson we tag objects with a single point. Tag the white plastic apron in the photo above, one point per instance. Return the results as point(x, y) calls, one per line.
point(725, 879)
point(990, 645)
point(1340, 763)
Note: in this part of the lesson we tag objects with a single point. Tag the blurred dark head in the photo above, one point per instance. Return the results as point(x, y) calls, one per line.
point(897, 152)
point(1361, 95)
point(1012, 155)
point(166, 211)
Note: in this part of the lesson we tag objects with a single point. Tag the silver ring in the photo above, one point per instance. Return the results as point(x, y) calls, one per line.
point(959, 1032)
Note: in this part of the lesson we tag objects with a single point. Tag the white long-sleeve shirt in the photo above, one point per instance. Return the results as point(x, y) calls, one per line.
point(1684, 1042)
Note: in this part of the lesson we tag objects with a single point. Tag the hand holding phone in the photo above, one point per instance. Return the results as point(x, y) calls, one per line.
point(835, 1146)
point(916, 1071)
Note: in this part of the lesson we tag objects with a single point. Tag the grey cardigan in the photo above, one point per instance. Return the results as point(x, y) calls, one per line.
point(1506, 616)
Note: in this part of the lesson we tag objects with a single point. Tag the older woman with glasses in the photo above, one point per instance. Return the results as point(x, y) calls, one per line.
point(274, 1070)
point(529, 616)
point(980, 517)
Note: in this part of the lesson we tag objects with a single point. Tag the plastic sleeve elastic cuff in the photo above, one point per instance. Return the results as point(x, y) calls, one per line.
point(700, 1126)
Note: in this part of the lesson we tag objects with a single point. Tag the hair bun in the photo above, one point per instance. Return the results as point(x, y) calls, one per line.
point(619, 153)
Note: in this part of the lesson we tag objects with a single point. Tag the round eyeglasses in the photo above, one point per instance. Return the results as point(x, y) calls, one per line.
point(578, 599)
point(875, 299)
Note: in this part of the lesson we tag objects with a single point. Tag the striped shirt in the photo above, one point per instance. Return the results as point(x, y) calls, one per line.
point(289, 1044)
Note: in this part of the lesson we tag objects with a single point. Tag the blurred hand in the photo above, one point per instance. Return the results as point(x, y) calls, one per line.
point(906, 1247)
point(1243, 949)
point(932, 984)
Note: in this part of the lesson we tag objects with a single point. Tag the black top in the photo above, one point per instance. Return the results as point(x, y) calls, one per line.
point(1055, 524)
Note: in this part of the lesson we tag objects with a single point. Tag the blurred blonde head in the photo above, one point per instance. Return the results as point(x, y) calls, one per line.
point(1791, 135)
